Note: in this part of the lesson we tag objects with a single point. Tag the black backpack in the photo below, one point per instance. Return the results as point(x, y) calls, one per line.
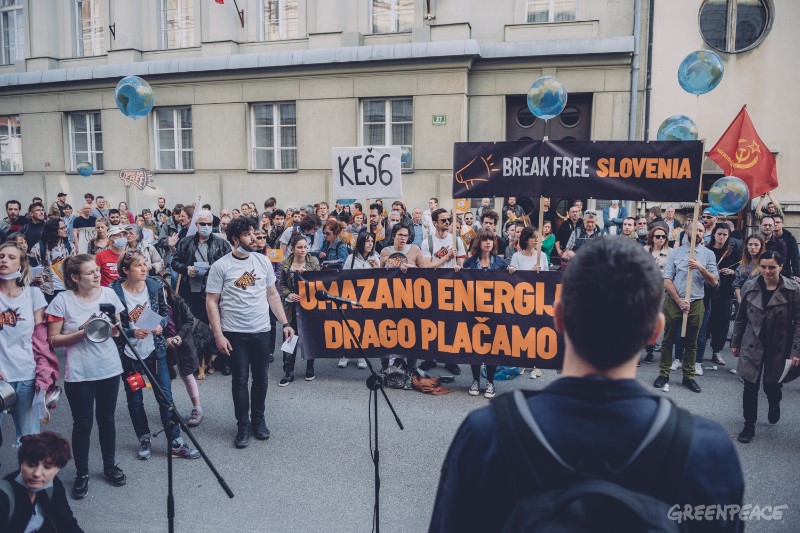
point(553, 496)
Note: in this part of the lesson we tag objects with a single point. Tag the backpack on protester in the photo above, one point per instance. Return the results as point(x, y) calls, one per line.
point(7, 488)
point(551, 495)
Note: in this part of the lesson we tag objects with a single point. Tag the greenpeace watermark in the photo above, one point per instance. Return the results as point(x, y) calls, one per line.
point(687, 513)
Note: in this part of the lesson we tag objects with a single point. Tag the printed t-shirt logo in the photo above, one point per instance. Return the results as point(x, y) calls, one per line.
point(248, 279)
point(9, 318)
point(135, 313)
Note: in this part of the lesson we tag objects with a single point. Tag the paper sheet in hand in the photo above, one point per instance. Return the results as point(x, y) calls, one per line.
point(289, 345)
point(148, 320)
point(201, 267)
point(36, 271)
point(790, 373)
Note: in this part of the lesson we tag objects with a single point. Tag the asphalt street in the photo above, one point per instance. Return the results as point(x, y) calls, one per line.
point(315, 472)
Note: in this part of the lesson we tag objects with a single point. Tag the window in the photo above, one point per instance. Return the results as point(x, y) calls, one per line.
point(552, 10)
point(392, 16)
point(177, 23)
point(12, 31)
point(10, 144)
point(389, 122)
point(174, 139)
point(274, 136)
point(85, 140)
point(279, 20)
point(90, 28)
point(734, 25)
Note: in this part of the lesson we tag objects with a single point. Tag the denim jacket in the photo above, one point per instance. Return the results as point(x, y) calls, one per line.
point(158, 304)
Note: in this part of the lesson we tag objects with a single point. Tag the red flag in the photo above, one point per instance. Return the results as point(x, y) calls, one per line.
point(740, 152)
point(220, 2)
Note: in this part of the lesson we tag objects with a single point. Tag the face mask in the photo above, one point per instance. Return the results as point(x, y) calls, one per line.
point(242, 251)
point(205, 231)
point(120, 242)
point(12, 276)
point(19, 480)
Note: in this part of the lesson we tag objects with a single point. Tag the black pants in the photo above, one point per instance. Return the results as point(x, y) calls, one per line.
point(273, 331)
point(197, 305)
point(719, 322)
point(750, 396)
point(81, 396)
point(476, 372)
point(250, 351)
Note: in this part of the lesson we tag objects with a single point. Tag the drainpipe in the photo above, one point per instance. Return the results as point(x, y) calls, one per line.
point(649, 83)
point(633, 112)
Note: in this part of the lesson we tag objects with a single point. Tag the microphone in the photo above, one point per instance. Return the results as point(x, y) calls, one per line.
point(323, 296)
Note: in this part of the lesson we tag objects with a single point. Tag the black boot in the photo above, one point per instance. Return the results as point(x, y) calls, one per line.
point(243, 436)
point(260, 429)
point(747, 433)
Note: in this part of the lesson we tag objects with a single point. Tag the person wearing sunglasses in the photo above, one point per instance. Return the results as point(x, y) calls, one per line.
point(438, 249)
point(334, 251)
point(709, 220)
point(657, 245)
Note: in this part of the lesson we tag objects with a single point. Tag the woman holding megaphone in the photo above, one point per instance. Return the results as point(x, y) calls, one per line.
point(93, 366)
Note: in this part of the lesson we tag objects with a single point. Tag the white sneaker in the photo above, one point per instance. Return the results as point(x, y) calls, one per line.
point(343, 362)
point(474, 389)
point(362, 363)
point(698, 369)
point(676, 364)
point(489, 391)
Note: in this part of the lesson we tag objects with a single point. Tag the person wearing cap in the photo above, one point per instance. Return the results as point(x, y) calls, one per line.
point(107, 259)
point(151, 255)
point(57, 209)
point(613, 216)
point(709, 220)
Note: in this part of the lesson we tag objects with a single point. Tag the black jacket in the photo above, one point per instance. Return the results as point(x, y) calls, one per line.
point(185, 256)
point(791, 264)
point(58, 516)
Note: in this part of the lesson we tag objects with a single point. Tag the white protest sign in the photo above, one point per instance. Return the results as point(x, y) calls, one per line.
point(367, 172)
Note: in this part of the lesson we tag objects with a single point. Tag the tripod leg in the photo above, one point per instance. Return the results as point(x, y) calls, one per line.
point(376, 459)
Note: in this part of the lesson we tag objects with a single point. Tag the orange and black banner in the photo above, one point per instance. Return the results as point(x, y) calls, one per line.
point(625, 170)
point(471, 316)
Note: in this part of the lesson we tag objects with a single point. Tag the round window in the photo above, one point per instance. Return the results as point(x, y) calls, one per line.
point(735, 25)
point(525, 118)
point(570, 117)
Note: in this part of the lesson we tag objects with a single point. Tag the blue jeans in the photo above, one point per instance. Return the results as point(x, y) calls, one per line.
point(250, 351)
point(81, 396)
point(25, 420)
point(158, 366)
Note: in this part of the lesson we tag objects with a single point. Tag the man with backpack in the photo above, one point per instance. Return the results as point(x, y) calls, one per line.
point(629, 459)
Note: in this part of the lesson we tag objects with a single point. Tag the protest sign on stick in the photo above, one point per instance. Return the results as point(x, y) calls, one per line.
point(367, 172)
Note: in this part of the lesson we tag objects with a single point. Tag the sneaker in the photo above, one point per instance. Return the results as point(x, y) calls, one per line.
point(285, 380)
point(310, 375)
point(717, 359)
point(691, 385)
point(195, 418)
point(144, 449)
point(453, 369)
point(427, 365)
point(747, 433)
point(489, 391)
point(774, 413)
point(660, 382)
point(80, 488)
point(362, 363)
point(698, 369)
point(475, 388)
point(114, 475)
point(242, 437)
point(676, 364)
point(343, 362)
point(226, 370)
point(260, 429)
point(648, 358)
point(537, 372)
point(182, 450)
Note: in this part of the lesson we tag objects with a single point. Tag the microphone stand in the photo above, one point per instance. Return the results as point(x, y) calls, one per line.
point(374, 384)
point(175, 419)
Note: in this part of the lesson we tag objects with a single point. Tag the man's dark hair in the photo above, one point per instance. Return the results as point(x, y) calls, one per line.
point(488, 213)
point(146, 210)
point(765, 217)
point(655, 211)
point(240, 225)
point(436, 213)
point(397, 227)
point(42, 446)
point(629, 218)
point(177, 207)
point(113, 212)
point(88, 195)
point(270, 202)
point(67, 206)
point(776, 217)
point(620, 275)
point(34, 205)
point(37, 200)
point(310, 223)
point(207, 206)
point(19, 205)
point(277, 213)
point(377, 207)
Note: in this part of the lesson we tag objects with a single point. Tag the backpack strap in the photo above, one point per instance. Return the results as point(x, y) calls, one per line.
point(430, 244)
point(5, 486)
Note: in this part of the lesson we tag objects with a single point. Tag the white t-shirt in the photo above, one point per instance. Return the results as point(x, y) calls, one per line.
point(242, 286)
point(522, 262)
point(613, 212)
point(136, 304)
point(440, 248)
point(356, 261)
point(86, 360)
point(16, 333)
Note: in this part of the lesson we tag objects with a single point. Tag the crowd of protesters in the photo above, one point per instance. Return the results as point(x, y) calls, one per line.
point(200, 269)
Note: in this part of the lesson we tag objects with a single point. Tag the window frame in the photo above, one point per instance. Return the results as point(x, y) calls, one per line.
point(177, 139)
point(551, 13)
point(5, 124)
point(393, 18)
point(80, 51)
point(182, 31)
point(387, 116)
point(91, 131)
point(730, 26)
point(282, 21)
point(277, 146)
point(18, 46)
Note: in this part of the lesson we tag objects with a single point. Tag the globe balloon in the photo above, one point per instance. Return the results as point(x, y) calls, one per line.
point(85, 168)
point(134, 97)
point(728, 195)
point(547, 97)
point(700, 72)
point(677, 128)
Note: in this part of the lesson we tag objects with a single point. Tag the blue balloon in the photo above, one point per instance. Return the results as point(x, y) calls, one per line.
point(85, 168)
point(677, 128)
point(728, 195)
point(134, 97)
point(700, 72)
point(547, 97)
